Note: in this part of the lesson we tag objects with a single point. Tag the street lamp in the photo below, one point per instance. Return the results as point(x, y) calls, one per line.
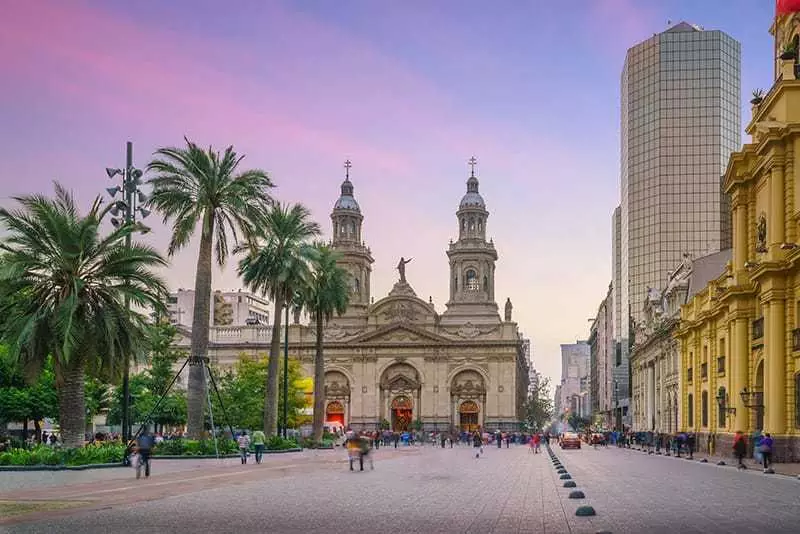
point(131, 180)
point(722, 401)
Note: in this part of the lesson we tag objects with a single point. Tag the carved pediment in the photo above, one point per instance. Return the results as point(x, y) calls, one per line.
point(400, 334)
point(470, 331)
point(398, 308)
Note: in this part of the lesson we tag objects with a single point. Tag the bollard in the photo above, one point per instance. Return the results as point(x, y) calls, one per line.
point(572, 484)
point(585, 511)
point(577, 494)
point(565, 476)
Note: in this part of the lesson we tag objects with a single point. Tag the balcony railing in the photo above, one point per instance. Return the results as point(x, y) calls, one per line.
point(758, 328)
point(703, 371)
point(796, 339)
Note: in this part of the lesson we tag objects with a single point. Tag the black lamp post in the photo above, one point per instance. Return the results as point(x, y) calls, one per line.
point(722, 401)
point(124, 212)
point(286, 374)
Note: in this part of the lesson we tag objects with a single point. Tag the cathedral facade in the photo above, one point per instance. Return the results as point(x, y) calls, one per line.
point(396, 361)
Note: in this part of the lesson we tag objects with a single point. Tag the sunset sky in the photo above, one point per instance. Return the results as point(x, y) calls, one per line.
point(406, 90)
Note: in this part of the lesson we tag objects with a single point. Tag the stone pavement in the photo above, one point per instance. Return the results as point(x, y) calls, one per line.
point(422, 490)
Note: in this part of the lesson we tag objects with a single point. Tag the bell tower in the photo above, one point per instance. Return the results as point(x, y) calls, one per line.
point(472, 260)
point(356, 257)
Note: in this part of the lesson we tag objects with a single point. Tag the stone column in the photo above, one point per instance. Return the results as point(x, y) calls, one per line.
point(740, 352)
point(740, 237)
point(777, 226)
point(775, 368)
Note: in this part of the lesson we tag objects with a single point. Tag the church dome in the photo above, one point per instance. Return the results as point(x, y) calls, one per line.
point(346, 200)
point(473, 198)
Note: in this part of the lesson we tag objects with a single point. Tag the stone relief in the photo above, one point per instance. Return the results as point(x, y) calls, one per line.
point(470, 331)
point(336, 385)
point(400, 311)
point(468, 384)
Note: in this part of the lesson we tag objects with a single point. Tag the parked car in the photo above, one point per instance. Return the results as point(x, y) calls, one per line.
point(570, 440)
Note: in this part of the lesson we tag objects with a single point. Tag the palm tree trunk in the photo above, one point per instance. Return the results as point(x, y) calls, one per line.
point(319, 383)
point(196, 394)
point(271, 396)
point(71, 403)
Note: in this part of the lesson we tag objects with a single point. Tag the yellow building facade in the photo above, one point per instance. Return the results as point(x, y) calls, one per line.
point(740, 336)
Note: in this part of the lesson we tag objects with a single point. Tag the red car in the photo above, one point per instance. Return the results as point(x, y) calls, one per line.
point(570, 440)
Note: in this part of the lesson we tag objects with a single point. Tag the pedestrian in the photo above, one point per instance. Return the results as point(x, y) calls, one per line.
point(144, 448)
point(244, 445)
point(740, 448)
point(537, 440)
point(477, 444)
point(766, 450)
point(259, 440)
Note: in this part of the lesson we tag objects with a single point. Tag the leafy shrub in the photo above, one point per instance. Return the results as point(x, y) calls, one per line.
point(194, 447)
point(277, 443)
point(104, 453)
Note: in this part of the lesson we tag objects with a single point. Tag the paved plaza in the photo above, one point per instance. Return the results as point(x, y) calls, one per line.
point(411, 490)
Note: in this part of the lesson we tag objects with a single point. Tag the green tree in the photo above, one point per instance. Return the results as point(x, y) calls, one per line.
point(149, 385)
point(277, 264)
point(242, 389)
point(23, 400)
point(63, 288)
point(203, 188)
point(539, 405)
point(328, 292)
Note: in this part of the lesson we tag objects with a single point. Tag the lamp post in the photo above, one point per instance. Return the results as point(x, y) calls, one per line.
point(617, 418)
point(124, 212)
point(286, 373)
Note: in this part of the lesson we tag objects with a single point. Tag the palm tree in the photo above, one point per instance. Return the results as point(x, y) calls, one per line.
point(63, 292)
point(278, 265)
point(195, 187)
point(328, 292)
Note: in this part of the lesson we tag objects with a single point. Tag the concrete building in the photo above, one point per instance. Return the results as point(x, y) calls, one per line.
point(230, 308)
point(602, 345)
point(655, 357)
point(396, 360)
point(740, 335)
point(680, 121)
point(575, 379)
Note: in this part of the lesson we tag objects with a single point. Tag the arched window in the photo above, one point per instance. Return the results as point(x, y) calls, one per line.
point(353, 228)
point(471, 224)
point(480, 224)
point(690, 415)
point(704, 409)
point(463, 225)
point(471, 281)
point(485, 282)
point(455, 282)
point(722, 415)
point(356, 285)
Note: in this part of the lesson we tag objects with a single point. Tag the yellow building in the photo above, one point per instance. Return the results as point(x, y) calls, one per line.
point(740, 335)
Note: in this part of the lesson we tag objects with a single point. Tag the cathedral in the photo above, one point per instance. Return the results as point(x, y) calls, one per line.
point(397, 362)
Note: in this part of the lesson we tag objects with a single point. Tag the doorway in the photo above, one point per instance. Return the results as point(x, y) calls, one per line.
point(334, 413)
point(759, 389)
point(468, 416)
point(402, 414)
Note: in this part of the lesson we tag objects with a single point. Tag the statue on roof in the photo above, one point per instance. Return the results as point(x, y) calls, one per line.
point(402, 268)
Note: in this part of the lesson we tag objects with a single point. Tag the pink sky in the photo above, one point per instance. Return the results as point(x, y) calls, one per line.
point(407, 91)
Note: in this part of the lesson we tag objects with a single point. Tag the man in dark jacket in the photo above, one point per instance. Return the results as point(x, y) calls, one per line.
point(144, 447)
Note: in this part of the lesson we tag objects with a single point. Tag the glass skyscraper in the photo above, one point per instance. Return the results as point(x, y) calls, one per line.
point(680, 120)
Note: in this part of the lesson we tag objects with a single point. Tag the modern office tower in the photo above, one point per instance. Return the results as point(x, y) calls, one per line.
point(680, 121)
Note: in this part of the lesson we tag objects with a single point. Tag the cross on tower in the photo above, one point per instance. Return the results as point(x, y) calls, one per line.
point(472, 162)
point(347, 166)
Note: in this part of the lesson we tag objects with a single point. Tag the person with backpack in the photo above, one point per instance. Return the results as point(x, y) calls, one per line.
point(144, 448)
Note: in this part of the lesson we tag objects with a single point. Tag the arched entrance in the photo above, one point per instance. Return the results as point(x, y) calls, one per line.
point(400, 388)
point(468, 394)
point(468, 416)
point(402, 414)
point(759, 389)
point(334, 413)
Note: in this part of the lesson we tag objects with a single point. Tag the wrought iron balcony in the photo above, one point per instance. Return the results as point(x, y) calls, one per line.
point(758, 328)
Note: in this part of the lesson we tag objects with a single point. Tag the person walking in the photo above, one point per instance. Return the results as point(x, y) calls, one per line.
point(244, 445)
point(259, 440)
point(740, 448)
point(766, 450)
point(477, 444)
point(144, 448)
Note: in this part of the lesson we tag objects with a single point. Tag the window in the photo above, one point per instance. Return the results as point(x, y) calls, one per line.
point(689, 375)
point(172, 300)
point(690, 415)
point(472, 281)
point(704, 409)
point(723, 404)
point(704, 370)
point(797, 400)
point(721, 364)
